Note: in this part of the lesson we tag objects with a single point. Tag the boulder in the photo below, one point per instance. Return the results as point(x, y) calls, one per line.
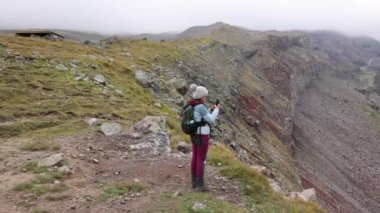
point(308, 194)
point(149, 136)
point(147, 80)
point(180, 85)
point(51, 160)
point(64, 169)
point(198, 207)
point(93, 122)
point(100, 79)
point(183, 147)
point(151, 124)
point(111, 128)
point(61, 67)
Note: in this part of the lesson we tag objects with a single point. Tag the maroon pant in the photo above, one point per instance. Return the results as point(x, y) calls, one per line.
point(199, 157)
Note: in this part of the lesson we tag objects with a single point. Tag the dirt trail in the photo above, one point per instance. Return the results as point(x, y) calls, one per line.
point(159, 175)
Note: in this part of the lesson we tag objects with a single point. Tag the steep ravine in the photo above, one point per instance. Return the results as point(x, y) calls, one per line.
point(334, 126)
point(303, 88)
point(336, 133)
point(336, 138)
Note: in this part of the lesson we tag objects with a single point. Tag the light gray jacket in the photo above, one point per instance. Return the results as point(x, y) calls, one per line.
point(200, 111)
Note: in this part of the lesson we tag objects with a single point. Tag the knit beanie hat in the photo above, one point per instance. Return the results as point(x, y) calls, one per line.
point(198, 91)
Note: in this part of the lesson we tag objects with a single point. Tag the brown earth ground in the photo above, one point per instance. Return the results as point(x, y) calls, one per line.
point(160, 176)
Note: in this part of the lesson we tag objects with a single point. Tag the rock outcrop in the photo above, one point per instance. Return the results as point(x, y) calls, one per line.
point(51, 160)
point(149, 136)
point(111, 128)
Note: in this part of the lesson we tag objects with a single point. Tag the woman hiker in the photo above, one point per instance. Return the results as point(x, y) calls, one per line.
point(200, 139)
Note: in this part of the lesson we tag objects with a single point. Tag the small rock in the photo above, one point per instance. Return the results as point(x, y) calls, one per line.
point(100, 79)
point(177, 194)
point(51, 160)
point(82, 156)
point(158, 105)
point(129, 55)
point(78, 78)
point(73, 207)
point(198, 207)
point(148, 80)
point(275, 186)
point(261, 169)
point(180, 85)
point(93, 122)
point(88, 197)
point(57, 182)
point(294, 195)
point(61, 67)
point(183, 147)
point(95, 160)
point(308, 194)
point(111, 128)
point(72, 65)
point(119, 92)
point(221, 197)
point(180, 166)
point(94, 66)
point(64, 169)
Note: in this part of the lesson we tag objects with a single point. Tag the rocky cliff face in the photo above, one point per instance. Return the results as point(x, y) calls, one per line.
point(337, 130)
point(303, 104)
point(315, 92)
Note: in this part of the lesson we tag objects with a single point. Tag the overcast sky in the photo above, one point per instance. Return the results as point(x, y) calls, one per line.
point(357, 17)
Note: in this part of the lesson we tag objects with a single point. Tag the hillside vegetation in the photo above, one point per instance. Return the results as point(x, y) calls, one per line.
point(48, 90)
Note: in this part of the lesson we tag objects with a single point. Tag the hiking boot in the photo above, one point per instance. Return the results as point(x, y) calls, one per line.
point(200, 186)
point(193, 182)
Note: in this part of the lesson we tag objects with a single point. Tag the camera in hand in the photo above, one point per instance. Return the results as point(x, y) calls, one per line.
point(216, 103)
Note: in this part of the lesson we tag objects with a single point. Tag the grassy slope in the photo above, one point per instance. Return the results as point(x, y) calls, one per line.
point(260, 195)
point(36, 96)
point(37, 100)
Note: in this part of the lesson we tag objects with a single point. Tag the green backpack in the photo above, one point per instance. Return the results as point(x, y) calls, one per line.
point(188, 125)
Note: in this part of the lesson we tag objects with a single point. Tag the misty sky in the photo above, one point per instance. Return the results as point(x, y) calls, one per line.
point(356, 17)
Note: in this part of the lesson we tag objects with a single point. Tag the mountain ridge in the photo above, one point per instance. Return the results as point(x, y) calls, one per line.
point(277, 90)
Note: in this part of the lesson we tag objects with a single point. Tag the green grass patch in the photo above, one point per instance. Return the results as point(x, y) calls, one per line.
point(57, 197)
point(44, 182)
point(261, 196)
point(32, 167)
point(185, 203)
point(49, 177)
point(39, 146)
point(118, 189)
point(39, 189)
point(12, 129)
